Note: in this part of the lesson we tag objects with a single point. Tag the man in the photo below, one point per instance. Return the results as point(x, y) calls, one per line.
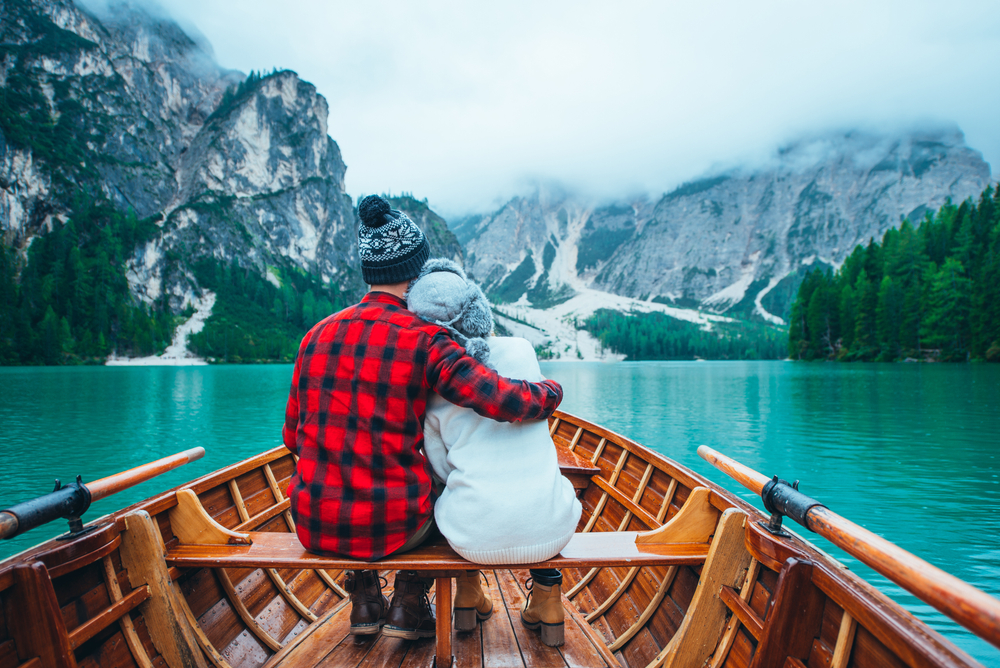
point(355, 416)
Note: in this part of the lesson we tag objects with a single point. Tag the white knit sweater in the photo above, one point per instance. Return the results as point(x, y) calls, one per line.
point(505, 501)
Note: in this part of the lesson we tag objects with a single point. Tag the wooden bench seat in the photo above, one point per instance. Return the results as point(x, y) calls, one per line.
point(283, 550)
point(204, 543)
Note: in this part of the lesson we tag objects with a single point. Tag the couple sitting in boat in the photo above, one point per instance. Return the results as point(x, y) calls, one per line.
point(378, 381)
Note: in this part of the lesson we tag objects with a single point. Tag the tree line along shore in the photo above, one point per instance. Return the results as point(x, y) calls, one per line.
point(929, 292)
point(925, 292)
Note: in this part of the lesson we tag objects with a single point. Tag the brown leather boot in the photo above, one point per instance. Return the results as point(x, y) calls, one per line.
point(368, 605)
point(472, 605)
point(544, 611)
point(410, 614)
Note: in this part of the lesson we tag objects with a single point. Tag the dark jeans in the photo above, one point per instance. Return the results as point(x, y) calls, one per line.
point(546, 577)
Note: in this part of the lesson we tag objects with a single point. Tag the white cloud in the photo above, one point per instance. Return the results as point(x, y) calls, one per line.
point(462, 102)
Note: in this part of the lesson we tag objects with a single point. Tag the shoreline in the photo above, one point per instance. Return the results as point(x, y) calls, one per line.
point(177, 353)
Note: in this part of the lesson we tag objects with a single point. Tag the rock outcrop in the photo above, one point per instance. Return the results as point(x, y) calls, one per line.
point(735, 243)
point(229, 167)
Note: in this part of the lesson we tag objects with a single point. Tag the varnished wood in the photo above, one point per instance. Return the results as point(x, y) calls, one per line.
point(794, 618)
point(845, 641)
point(34, 621)
point(272, 482)
point(95, 625)
point(442, 599)
point(201, 639)
point(598, 451)
point(576, 439)
point(142, 555)
point(247, 523)
point(192, 525)
point(282, 550)
point(744, 475)
point(554, 426)
point(705, 618)
point(113, 484)
point(630, 632)
point(309, 648)
point(744, 613)
point(8, 524)
point(615, 595)
point(331, 583)
point(667, 498)
point(125, 623)
point(629, 504)
point(722, 651)
point(971, 607)
point(574, 467)
point(694, 523)
point(241, 610)
point(591, 635)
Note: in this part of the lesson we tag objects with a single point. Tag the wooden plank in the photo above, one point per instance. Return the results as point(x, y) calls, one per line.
point(845, 641)
point(98, 623)
point(734, 622)
point(500, 648)
point(914, 643)
point(743, 612)
point(193, 525)
point(647, 613)
point(142, 555)
point(533, 651)
point(125, 623)
point(596, 641)
point(312, 645)
point(263, 516)
point(34, 620)
point(695, 522)
point(794, 619)
point(283, 550)
point(629, 505)
point(555, 425)
point(442, 619)
point(667, 498)
point(241, 609)
point(705, 618)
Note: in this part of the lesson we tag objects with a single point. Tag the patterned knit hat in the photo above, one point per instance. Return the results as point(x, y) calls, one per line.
point(391, 246)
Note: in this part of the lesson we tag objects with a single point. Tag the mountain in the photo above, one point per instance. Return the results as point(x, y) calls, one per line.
point(171, 177)
point(737, 243)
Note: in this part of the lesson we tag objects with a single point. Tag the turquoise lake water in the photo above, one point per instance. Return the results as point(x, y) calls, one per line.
point(908, 451)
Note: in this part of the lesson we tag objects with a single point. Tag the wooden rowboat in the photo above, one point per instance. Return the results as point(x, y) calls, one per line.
point(122, 595)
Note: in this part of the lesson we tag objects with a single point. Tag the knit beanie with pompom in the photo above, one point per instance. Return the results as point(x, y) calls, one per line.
point(444, 295)
point(391, 246)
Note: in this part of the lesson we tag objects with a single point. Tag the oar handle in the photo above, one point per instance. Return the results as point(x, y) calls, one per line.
point(113, 484)
point(73, 500)
point(972, 608)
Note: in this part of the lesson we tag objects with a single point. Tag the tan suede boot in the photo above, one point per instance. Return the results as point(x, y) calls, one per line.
point(472, 605)
point(544, 611)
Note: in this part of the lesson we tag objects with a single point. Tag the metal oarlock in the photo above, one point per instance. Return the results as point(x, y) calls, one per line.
point(781, 499)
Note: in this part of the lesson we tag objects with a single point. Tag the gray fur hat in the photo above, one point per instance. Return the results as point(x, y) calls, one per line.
point(444, 295)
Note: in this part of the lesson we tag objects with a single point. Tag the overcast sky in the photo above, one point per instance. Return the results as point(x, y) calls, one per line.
point(466, 103)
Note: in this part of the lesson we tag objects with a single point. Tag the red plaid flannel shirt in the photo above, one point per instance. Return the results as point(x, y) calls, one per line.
point(355, 418)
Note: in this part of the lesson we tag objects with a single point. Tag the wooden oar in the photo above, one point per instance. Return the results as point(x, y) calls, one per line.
point(971, 607)
point(72, 500)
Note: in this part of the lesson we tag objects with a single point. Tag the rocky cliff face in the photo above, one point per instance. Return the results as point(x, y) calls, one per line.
point(131, 107)
point(738, 242)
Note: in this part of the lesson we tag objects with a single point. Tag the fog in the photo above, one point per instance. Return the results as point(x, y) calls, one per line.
point(468, 103)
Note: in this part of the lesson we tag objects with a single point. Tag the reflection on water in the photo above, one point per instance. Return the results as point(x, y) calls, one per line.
point(908, 451)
